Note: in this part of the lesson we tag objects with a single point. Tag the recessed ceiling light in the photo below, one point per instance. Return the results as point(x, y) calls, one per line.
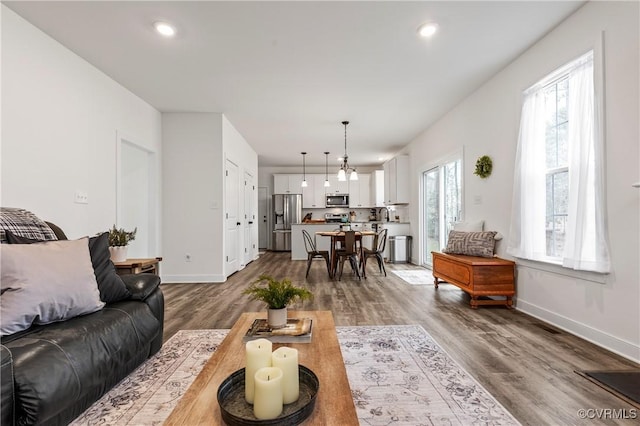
point(165, 29)
point(428, 29)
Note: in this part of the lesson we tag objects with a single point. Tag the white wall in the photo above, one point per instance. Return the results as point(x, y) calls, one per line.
point(60, 116)
point(195, 146)
point(487, 123)
point(192, 197)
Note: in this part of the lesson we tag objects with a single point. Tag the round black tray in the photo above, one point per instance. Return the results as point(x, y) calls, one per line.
point(236, 410)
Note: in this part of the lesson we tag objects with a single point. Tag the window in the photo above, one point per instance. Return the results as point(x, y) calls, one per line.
point(558, 208)
point(556, 167)
point(442, 205)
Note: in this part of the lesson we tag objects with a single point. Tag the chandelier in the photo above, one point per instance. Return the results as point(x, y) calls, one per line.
point(345, 168)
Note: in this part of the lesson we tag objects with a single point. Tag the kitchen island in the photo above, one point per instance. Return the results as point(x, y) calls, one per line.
point(298, 251)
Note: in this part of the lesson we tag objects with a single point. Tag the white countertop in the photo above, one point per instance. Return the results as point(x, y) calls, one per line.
point(362, 223)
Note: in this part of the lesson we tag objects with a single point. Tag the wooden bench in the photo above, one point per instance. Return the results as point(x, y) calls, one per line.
point(478, 276)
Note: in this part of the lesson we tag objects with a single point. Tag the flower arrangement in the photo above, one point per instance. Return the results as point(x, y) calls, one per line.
point(120, 237)
point(484, 165)
point(277, 294)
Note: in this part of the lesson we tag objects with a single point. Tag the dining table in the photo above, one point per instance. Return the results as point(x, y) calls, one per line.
point(338, 237)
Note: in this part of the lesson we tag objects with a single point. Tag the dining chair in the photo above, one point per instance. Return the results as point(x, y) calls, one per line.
point(379, 244)
point(348, 252)
point(312, 253)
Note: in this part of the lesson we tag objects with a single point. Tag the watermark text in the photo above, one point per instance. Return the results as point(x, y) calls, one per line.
point(608, 413)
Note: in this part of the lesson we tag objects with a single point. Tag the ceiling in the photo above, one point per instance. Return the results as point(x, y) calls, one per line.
point(286, 74)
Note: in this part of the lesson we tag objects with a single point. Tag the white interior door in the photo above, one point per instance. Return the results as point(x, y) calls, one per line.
point(249, 217)
point(135, 204)
point(232, 219)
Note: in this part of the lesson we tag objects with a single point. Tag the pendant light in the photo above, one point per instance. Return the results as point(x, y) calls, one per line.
point(326, 169)
point(345, 168)
point(304, 171)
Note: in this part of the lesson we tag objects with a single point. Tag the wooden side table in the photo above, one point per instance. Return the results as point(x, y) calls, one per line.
point(139, 266)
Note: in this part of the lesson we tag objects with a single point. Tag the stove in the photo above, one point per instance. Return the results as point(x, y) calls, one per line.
point(335, 217)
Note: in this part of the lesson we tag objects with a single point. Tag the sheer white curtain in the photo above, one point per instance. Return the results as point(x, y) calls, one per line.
point(527, 238)
point(586, 237)
point(586, 242)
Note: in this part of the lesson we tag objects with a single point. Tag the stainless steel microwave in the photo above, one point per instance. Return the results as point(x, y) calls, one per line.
point(337, 200)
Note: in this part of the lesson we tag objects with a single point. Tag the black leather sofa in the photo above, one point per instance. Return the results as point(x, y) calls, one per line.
point(51, 373)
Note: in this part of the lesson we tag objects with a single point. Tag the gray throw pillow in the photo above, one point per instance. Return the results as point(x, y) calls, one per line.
point(471, 243)
point(45, 283)
point(111, 286)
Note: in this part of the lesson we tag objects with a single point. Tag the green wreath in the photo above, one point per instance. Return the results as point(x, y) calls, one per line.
point(484, 165)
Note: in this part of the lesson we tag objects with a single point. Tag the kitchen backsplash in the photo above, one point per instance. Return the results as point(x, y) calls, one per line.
point(362, 215)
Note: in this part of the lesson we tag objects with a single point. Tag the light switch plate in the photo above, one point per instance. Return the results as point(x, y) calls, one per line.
point(81, 197)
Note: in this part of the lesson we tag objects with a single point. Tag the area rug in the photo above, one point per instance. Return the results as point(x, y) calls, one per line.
point(623, 384)
point(398, 375)
point(416, 276)
point(149, 394)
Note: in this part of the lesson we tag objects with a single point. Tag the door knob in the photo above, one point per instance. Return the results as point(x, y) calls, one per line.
point(238, 223)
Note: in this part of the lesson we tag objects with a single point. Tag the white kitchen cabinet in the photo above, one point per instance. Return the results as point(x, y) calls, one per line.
point(389, 167)
point(337, 187)
point(396, 180)
point(286, 183)
point(376, 188)
point(313, 195)
point(360, 192)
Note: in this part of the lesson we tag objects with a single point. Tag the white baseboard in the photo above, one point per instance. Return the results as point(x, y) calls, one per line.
point(175, 279)
point(612, 343)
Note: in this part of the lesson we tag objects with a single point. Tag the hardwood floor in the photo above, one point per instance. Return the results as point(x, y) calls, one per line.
point(526, 364)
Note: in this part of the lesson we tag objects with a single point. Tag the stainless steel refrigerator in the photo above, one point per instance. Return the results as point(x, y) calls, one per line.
point(287, 209)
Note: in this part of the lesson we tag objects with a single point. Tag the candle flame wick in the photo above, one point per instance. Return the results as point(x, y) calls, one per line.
point(268, 378)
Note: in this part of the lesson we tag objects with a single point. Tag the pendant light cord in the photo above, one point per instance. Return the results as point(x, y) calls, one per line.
point(326, 166)
point(346, 157)
point(304, 172)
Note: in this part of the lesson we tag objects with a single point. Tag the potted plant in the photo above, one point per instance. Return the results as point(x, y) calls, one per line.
point(118, 241)
point(277, 295)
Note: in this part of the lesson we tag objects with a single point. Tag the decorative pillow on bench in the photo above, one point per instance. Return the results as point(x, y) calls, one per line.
point(471, 243)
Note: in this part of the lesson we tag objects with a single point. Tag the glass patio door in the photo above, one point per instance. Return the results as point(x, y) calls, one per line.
point(442, 186)
point(431, 213)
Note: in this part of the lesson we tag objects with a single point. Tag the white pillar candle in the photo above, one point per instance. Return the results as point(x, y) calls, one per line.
point(286, 359)
point(267, 402)
point(258, 356)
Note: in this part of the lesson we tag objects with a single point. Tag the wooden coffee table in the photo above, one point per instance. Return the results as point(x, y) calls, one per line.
point(334, 403)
